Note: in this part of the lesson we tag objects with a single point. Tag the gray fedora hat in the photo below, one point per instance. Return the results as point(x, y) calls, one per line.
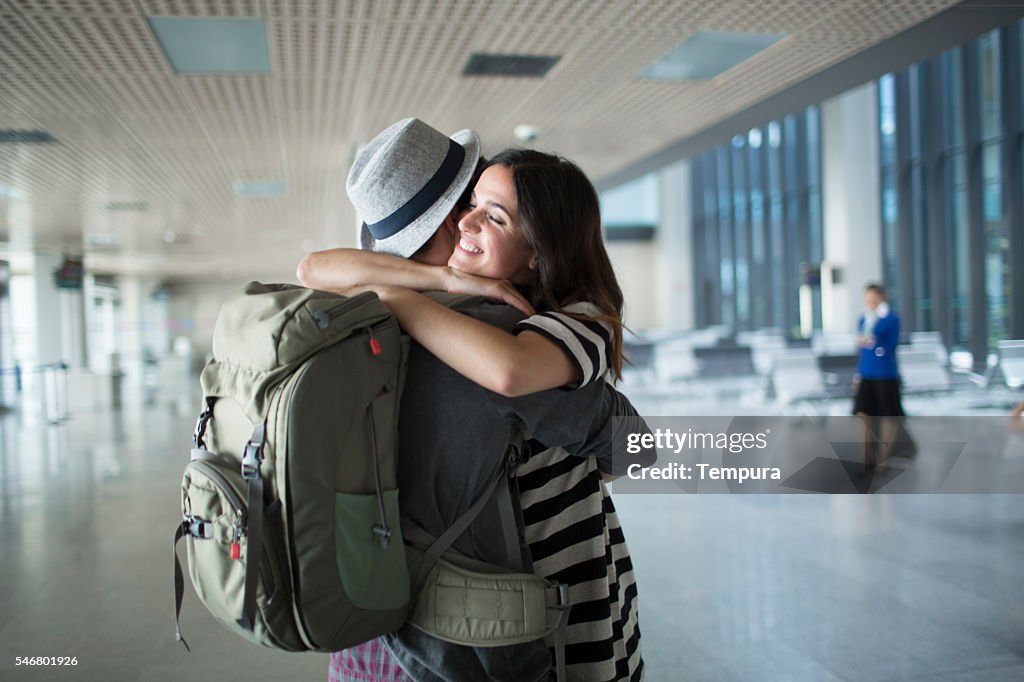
point(405, 182)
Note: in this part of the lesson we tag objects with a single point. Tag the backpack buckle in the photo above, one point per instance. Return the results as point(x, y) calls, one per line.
point(563, 597)
point(197, 528)
point(201, 422)
point(383, 534)
point(252, 457)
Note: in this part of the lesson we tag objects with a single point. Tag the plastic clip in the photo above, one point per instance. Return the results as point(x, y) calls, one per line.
point(197, 528)
point(384, 534)
point(252, 457)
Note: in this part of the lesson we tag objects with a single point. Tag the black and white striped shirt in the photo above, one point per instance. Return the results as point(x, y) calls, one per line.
point(586, 342)
point(573, 530)
point(575, 538)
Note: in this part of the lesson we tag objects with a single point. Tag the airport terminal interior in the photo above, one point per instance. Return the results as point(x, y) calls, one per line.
point(757, 163)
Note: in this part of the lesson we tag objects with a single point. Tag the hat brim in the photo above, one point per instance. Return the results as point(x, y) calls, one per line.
point(410, 238)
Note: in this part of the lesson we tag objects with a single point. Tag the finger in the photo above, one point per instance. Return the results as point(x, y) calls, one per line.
point(516, 300)
point(525, 306)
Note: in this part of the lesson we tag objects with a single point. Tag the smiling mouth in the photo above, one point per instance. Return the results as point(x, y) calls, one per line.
point(469, 248)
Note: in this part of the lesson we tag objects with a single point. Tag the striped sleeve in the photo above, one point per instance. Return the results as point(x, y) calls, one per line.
point(586, 342)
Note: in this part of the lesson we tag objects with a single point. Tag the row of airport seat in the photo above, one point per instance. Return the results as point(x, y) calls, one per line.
point(1010, 362)
point(803, 376)
point(803, 370)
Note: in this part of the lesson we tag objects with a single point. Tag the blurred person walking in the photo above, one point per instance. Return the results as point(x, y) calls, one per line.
point(877, 399)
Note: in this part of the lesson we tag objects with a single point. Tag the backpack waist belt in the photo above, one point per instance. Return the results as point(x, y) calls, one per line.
point(462, 601)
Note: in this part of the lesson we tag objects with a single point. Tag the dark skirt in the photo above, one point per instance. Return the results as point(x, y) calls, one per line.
point(878, 398)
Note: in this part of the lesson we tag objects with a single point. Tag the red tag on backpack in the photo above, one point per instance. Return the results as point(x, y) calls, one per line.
point(374, 346)
point(236, 551)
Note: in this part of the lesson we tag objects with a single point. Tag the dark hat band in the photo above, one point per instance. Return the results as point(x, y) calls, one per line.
point(425, 198)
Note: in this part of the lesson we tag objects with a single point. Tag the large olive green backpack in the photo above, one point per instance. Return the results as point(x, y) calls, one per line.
point(290, 502)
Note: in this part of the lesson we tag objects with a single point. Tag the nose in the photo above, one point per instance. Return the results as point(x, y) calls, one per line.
point(470, 221)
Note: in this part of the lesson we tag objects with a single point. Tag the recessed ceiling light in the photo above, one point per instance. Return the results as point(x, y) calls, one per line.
point(707, 54)
point(138, 206)
point(261, 189)
point(213, 45)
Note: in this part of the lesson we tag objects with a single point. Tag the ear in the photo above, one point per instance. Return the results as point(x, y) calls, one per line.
point(533, 261)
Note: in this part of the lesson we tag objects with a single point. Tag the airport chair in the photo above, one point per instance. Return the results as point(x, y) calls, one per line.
point(764, 349)
point(1011, 362)
point(674, 361)
point(833, 344)
point(838, 372)
point(921, 372)
point(796, 378)
point(931, 341)
point(716, 362)
point(925, 338)
point(639, 352)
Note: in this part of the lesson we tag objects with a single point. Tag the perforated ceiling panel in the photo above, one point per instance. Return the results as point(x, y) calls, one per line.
point(172, 148)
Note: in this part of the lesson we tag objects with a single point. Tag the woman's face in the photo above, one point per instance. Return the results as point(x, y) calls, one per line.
point(872, 299)
point(491, 241)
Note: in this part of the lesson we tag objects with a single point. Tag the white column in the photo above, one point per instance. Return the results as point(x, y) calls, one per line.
point(636, 268)
point(48, 307)
point(72, 312)
point(674, 248)
point(851, 205)
point(39, 327)
point(136, 297)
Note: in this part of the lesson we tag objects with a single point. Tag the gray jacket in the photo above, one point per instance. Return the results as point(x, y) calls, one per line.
point(452, 432)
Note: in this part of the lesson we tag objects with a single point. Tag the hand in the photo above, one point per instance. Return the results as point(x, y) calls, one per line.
point(459, 282)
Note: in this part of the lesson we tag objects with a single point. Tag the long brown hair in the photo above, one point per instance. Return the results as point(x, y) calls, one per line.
point(561, 219)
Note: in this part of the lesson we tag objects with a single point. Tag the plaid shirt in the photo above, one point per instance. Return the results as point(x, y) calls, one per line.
point(366, 662)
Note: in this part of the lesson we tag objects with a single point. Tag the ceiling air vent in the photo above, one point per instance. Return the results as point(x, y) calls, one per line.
point(25, 136)
point(138, 206)
point(510, 65)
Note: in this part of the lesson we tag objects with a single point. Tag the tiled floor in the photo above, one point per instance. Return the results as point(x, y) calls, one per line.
point(732, 587)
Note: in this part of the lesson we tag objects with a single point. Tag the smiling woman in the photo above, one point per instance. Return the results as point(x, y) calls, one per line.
point(492, 242)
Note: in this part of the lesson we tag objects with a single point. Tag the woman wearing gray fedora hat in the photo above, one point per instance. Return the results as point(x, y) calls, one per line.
point(530, 235)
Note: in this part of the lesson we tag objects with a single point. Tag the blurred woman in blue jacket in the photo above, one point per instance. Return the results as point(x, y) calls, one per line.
point(878, 393)
point(878, 384)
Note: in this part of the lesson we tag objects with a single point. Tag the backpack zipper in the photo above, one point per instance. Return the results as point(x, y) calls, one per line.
point(235, 500)
point(210, 472)
point(323, 317)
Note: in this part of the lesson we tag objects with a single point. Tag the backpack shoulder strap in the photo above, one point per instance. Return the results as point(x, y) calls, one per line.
point(493, 488)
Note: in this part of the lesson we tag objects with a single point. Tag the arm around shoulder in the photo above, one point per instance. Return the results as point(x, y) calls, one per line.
point(493, 358)
point(335, 269)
